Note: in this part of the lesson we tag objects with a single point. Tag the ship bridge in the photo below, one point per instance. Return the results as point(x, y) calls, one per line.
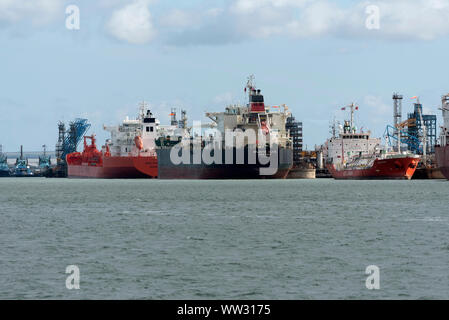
point(363, 136)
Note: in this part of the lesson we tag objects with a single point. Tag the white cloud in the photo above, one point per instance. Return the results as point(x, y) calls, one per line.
point(132, 23)
point(377, 105)
point(400, 19)
point(416, 19)
point(316, 19)
point(240, 20)
point(250, 6)
point(179, 19)
point(375, 113)
point(184, 19)
point(36, 12)
point(246, 19)
point(224, 98)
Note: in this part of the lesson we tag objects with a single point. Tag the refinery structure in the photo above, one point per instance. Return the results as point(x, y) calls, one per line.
point(418, 133)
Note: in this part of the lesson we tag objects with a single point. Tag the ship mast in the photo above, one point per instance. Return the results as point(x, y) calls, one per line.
point(250, 86)
point(352, 107)
point(333, 128)
point(352, 115)
point(142, 107)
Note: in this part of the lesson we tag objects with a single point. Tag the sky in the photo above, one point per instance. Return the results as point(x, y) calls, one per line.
point(315, 56)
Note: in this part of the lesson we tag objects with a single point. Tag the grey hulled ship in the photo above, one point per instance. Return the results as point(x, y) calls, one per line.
point(243, 142)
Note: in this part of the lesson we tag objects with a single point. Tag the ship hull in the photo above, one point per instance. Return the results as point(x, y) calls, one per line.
point(246, 170)
point(427, 173)
point(302, 173)
point(116, 168)
point(442, 157)
point(382, 169)
point(4, 173)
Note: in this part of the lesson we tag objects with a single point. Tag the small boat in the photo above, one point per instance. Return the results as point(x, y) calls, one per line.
point(22, 168)
point(4, 168)
point(44, 163)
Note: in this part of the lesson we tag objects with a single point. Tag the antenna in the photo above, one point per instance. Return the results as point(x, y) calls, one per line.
point(142, 107)
point(183, 121)
point(333, 128)
point(352, 115)
point(250, 85)
point(173, 121)
point(353, 107)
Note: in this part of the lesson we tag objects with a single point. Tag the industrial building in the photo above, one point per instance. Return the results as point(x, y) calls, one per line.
point(295, 128)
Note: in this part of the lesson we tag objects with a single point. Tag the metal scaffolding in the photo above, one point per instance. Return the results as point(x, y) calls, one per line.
point(295, 129)
point(69, 140)
point(428, 124)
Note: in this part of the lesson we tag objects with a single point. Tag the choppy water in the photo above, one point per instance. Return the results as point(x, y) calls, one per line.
point(291, 239)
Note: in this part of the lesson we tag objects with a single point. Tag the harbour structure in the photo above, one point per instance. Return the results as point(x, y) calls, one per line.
point(68, 141)
point(397, 136)
point(129, 153)
point(397, 118)
point(209, 155)
point(422, 125)
point(4, 168)
point(354, 154)
point(442, 149)
point(295, 128)
point(304, 163)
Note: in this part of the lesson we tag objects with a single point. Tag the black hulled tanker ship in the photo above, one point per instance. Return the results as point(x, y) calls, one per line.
point(244, 142)
point(245, 170)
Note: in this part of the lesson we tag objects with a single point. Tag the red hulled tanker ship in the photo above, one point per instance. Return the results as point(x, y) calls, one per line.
point(130, 153)
point(355, 155)
point(388, 168)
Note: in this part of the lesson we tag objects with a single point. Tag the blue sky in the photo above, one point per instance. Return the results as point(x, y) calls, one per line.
point(314, 56)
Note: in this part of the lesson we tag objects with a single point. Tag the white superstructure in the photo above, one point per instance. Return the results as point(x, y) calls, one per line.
point(267, 124)
point(123, 137)
point(347, 143)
